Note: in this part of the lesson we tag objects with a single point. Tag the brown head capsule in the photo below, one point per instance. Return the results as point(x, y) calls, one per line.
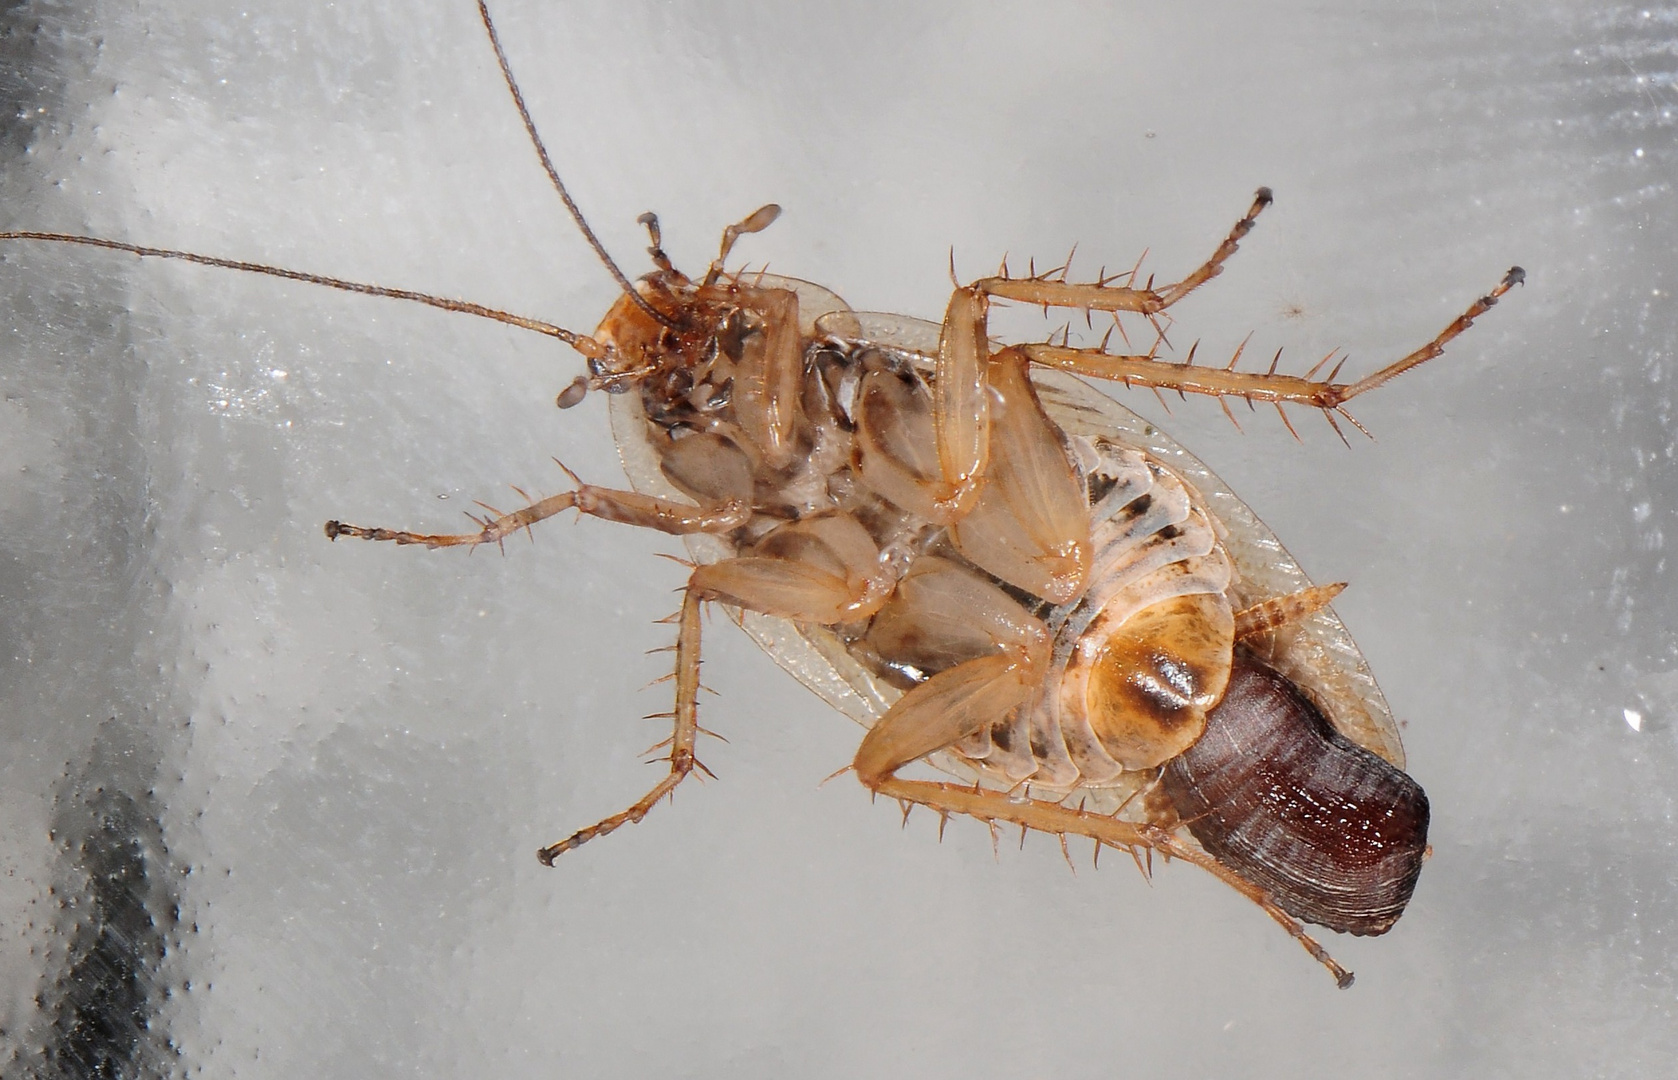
point(1334, 833)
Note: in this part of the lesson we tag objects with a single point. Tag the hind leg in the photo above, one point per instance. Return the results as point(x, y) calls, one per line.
point(992, 807)
point(967, 699)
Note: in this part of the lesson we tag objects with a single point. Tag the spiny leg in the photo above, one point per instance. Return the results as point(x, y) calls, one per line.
point(1047, 817)
point(972, 696)
point(685, 729)
point(961, 391)
point(1252, 386)
point(772, 585)
point(629, 507)
point(1099, 296)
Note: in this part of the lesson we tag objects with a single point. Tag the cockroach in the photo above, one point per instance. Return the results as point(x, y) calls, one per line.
point(991, 565)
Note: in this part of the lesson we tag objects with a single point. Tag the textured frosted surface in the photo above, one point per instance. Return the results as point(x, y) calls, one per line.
point(269, 805)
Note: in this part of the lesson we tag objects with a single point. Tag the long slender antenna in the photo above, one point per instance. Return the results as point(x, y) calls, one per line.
point(582, 343)
point(553, 173)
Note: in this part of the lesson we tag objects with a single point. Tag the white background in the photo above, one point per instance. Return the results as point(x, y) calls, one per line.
point(300, 785)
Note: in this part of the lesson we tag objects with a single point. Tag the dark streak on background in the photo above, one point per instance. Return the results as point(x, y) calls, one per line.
point(75, 612)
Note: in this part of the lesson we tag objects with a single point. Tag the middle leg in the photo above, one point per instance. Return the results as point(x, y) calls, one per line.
point(822, 570)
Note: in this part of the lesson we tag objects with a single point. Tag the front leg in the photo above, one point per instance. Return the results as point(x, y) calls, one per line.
point(962, 390)
point(629, 507)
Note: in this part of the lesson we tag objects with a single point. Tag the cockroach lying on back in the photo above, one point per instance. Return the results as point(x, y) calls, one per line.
point(995, 567)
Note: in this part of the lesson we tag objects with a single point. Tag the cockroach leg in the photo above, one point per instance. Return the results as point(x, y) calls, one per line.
point(786, 587)
point(1102, 297)
point(992, 807)
point(1278, 611)
point(961, 405)
point(824, 570)
point(685, 729)
point(629, 507)
point(961, 399)
point(1515, 276)
point(947, 708)
point(655, 251)
point(769, 372)
point(1253, 385)
point(962, 353)
point(1030, 525)
point(789, 589)
point(664, 515)
point(757, 221)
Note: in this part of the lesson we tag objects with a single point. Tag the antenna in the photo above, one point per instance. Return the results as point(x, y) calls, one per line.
point(582, 343)
point(553, 174)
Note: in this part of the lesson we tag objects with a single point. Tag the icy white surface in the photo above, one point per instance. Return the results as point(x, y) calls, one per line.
point(269, 805)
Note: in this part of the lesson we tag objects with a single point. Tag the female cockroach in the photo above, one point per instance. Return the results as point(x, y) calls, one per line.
point(991, 565)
